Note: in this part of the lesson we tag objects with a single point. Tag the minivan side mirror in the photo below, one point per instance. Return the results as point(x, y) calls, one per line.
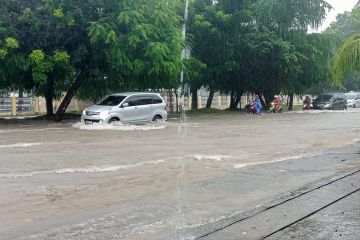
point(124, 105)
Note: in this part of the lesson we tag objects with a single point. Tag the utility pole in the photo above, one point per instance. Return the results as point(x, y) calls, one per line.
point(185, 54)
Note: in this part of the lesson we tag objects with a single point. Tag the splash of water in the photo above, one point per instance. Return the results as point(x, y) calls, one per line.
point(90, 169)
point(243, 165)
point(20, 145)
point(216, 158)
point(120, 126)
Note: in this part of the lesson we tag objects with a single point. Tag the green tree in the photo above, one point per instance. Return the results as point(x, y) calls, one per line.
point(346, 59)
point(314, 52)
point(259, 46)
point(97, 45)
point(13, 66)
point(290, 20)
point(209, 29)
point(346, 24)
point(284, 15)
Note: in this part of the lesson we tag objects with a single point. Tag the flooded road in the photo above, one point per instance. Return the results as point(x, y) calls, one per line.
point(165, 180)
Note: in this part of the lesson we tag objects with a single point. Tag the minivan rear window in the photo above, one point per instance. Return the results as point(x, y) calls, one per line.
point(156, 100)
point(111, 101)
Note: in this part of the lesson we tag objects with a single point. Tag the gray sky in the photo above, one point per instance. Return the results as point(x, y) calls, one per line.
point(339, 6)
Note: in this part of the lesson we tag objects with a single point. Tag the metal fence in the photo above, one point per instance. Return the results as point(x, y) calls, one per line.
point(25, 105)
point(22, 105)
point(5, 105)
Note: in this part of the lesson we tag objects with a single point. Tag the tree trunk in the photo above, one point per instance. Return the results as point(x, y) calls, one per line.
point(49, 105)
point(235, 99)
point(59, 116)
point(263, 102)
point(268, 97)
point(210, 98)
point(291, 102)
point(232, 100)
point(176, 101)
point(171, 101)
point(49, 94)
point(21, 93)
point(194, 99)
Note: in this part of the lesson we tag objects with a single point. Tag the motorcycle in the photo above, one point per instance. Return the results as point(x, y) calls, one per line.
point(251, 107)
point(307, 106)
point(274, 108)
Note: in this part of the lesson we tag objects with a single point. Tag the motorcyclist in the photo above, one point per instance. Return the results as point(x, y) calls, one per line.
point(251, 107)
point(277, 104)
point(307, 102)
point(258, 106)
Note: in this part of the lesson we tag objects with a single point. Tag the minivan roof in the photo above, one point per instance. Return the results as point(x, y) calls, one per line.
point(131, 93)
point(332, 93)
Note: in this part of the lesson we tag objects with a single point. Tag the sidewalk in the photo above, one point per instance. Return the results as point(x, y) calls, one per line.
point(329, 211)
point(339, 221)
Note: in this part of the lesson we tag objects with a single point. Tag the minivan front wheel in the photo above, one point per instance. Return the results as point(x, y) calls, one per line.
point(157, 118)
point(114, 119)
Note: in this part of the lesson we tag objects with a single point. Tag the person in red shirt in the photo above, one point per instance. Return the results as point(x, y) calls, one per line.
point(278, 104)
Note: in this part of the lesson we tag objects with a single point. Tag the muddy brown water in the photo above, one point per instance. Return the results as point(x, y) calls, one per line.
point(69, 181)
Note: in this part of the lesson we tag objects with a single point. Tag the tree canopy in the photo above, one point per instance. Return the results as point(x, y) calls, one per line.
point(90, 48)
point(260, 46)
point(347, 58)
point(346, 24)
point(96, 45)
point(345, 64)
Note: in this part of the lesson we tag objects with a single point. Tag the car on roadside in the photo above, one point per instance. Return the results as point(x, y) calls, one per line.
point(127, 108)
point(330, 101)
point(353, 99)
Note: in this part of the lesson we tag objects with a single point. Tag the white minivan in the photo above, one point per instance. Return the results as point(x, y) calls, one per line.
point(127, 107)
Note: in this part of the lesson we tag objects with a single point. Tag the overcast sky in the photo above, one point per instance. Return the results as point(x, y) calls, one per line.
point(339, 6)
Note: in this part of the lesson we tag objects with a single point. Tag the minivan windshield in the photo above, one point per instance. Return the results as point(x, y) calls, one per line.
point(111, 101)
point(324, 97)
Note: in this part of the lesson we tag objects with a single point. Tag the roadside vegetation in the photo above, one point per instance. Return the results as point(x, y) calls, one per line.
point(91, 48)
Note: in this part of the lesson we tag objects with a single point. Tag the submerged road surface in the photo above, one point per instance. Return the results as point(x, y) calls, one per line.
point(178, 180)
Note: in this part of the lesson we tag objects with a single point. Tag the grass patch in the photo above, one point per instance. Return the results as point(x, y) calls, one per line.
point(295, 108)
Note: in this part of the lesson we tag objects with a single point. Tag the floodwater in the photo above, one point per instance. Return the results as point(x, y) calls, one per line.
point(164, 180)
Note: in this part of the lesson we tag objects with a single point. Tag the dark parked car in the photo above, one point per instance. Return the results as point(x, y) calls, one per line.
point(330, 101)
